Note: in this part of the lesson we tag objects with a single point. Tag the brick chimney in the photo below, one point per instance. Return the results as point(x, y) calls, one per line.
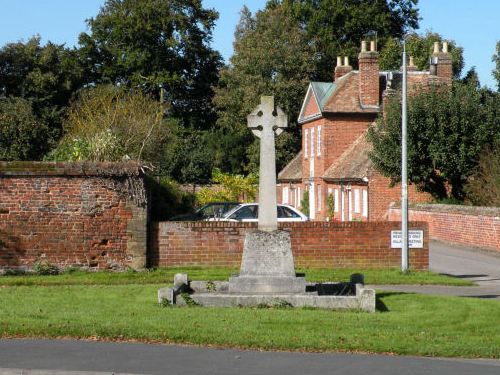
point(369, 86)
point(441, 64)
point(342, 69)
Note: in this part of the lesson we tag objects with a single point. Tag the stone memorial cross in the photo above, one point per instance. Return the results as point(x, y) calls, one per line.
point(266, 120)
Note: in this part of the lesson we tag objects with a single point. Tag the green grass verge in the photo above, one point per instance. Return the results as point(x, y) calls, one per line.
point(404, 323)
point(165, 276)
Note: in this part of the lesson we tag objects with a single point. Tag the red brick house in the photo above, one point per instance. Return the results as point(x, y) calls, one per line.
point(334, 159)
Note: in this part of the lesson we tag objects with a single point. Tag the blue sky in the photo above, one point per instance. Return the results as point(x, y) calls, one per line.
point(472, 24)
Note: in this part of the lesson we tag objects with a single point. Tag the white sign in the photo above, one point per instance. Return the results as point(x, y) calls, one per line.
point(415, 239)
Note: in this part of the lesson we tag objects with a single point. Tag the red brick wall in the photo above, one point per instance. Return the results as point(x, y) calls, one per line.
point(72, 215)
point(314, 244)
point(473, 226)
point(381, 195)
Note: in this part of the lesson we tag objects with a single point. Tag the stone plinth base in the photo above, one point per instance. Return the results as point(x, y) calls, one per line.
point(363, 300)
point(266, 285)
point(216, 294)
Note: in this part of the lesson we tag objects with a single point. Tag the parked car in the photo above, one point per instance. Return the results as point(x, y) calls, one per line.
point(213, 210)
point(249, 212)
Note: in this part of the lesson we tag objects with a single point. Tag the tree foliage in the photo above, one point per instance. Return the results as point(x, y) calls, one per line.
point(483, 186)
point(45, 76)
point(447, 130)
point(338, 26)
point(420, 47)
point(107, 123)
point(229, 188)
point(272, 56)
point(23, 136)
point(496, 60)
point(160, 47)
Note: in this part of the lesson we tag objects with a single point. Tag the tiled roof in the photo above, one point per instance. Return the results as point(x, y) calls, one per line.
point(323, 91)
point(293, 170)
point(345, 99)
point(354, 164)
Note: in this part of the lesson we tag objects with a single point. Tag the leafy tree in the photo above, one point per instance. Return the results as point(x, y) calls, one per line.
point(272, 56)
point(107, 123)
point(229, 188)
point(46, 76)
point(447, 130)
point(159, 46)
point(188, 156)
point(23, 136)
point(338, 26)
point(420, 47)
point(496, 60)
point(483, 187)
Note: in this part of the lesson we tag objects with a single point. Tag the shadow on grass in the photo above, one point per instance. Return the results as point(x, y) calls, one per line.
point(380, 306)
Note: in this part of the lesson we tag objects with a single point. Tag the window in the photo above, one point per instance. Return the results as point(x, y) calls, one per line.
point(319, 140)
point(336, 199)
point(365, 203)
point(312, 142)
point(286, 213)
point(285, 195)
point(306, 143)
point(356, 201)
point(246, 212)
point(319, 197)
point(299, 197)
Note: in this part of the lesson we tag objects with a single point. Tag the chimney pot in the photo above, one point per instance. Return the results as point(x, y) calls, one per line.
point(445, 47)
point(373, 46)
point(363, 46)
point(436, 47)
point(339, 61)
point(346, 61)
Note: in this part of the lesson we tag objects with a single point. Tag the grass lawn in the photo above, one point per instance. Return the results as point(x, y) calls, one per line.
point(122, 306)
point(165, 276)
point(404, 323)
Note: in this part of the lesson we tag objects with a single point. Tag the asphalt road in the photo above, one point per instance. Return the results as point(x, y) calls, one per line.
point(481, 267)
point(62, 356)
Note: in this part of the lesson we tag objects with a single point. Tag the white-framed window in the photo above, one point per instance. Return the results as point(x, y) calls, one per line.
point(285, 195)
point(319, 197)
point(365, 203)
point(349, 202)
point(306, 143)
point(312, 142)
point(318, 146)
point(336, 199)
point(356, 201)
point(299, 196)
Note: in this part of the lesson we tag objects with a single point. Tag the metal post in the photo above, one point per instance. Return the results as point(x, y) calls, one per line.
point(404, 172)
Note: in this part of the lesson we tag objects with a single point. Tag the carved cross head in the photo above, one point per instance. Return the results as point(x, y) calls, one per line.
point(267, 118)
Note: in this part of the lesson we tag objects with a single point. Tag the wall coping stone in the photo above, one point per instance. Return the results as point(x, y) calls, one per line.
point(456, 209)
point(70, 169)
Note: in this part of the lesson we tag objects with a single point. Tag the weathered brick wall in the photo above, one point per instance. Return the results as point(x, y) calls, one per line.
point(314, 244)
point(72, 214)
point(474, 226)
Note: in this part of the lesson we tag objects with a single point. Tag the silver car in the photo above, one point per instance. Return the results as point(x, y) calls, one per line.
point(249, 212)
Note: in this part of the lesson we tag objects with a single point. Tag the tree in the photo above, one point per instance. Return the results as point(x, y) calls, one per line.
point(483, 187)
point(230, 188)
point(447, 130)
point(46, 76)
point(338, 26)
point(420, 47)
point(107, 123)
point(496, 60)
point(161, 47)
point(272, 56)
point(23, 136)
